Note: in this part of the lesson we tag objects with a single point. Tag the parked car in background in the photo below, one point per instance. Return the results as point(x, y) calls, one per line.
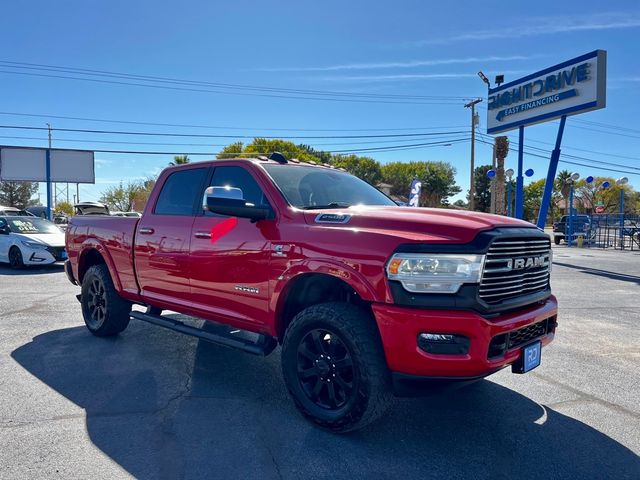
point(580, 227)
point(126, 214)
point(91, 208)
point(38, 211)
point(30, 241)
point(13, 211)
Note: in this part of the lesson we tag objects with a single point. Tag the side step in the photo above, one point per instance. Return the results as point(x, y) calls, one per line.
point(262, 345)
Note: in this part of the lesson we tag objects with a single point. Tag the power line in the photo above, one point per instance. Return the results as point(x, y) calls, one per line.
point(201, 135)
point(327, 98)
point(572, 162)
point(182, 125)
point(156, 78)
point(178, 144)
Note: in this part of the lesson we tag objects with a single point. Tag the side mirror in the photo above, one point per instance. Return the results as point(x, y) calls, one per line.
point(230, 201)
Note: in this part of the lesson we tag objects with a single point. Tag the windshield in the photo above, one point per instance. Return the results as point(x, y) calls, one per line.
point(32, 225)
point(314, 187)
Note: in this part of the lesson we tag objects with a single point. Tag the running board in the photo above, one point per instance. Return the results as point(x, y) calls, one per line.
point(262, 345)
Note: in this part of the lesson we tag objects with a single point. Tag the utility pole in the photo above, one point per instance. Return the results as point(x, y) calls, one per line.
point(472, 106)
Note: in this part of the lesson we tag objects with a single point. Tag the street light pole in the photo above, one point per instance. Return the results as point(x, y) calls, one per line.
point(568, 229)
point(621, 182)
point(472, 106)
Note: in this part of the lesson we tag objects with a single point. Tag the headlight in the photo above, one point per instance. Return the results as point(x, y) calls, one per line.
point(435, 273)
point(34, 245)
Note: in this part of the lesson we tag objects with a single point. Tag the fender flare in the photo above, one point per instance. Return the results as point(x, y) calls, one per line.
point(94, 244)
point(331, 268)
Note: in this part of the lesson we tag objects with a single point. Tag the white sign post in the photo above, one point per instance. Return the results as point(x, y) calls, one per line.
point(575, 86)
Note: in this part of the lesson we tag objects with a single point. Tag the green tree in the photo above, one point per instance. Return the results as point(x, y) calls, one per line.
point(365, 168)
point(562, 187)
point(122, 197)
point(179, 160)
point(65, 208)
point(231, 151)
point(482, 190)
point(588, 195)
point(438, 180)
point(18, 194)
point(533, 199)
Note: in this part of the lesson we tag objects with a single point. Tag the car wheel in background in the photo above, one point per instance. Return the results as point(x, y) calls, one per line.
point(105, 312)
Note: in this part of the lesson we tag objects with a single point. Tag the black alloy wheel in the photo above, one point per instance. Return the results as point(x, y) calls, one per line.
point(15, 258)
point(96, 303)
point(325, 369)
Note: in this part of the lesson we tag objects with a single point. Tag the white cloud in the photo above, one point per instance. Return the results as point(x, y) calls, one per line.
point(412, 76)
point(395, 65)
point(545, 26)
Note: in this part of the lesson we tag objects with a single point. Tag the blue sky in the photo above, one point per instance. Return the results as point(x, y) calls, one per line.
point(396, 48)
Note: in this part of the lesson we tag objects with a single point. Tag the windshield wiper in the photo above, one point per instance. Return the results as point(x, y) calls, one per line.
point(327, 206)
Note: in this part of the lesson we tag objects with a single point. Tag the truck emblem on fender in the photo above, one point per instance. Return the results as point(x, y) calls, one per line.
point(525, 262)
point(242, 288)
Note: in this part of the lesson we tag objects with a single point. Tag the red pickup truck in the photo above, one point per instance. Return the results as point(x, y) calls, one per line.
point(367, 299)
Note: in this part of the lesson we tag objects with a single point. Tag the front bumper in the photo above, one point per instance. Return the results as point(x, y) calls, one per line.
point(400, 327)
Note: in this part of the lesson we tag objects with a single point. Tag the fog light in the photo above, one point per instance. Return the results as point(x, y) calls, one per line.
point(444, 343)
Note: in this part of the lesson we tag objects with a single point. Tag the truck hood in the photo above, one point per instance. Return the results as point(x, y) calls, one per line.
point(438, 225)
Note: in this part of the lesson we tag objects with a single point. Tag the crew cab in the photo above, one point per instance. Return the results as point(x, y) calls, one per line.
point(367, 299)
point(580, 227)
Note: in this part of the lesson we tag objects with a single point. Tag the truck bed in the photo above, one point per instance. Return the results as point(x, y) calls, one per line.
point(113, 238)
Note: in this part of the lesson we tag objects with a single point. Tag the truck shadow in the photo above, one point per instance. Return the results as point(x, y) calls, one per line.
point(163, 405)
point(5, 269)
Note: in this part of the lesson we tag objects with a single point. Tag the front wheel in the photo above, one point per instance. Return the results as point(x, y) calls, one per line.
point(105, 312)
point(556, 240)
point(15, 258)
point(334, 367)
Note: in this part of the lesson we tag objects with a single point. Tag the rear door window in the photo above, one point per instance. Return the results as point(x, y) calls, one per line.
point(181, 192)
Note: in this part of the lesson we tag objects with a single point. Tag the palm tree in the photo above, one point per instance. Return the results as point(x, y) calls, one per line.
point(562, 186)
point(502, 150)
point(179, 160)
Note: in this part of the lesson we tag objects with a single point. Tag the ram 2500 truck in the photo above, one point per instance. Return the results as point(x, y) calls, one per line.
point(367, 299)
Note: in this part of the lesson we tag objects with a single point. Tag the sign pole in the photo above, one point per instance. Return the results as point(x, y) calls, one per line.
point(520, 178)
point(48, 173)
point(551, 176)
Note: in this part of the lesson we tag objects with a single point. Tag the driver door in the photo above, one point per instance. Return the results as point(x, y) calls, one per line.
point(230, 256)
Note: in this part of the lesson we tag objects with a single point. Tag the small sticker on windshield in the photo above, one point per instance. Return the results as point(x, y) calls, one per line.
point(332, 218)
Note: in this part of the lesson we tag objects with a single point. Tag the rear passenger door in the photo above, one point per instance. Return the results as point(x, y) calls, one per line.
point(163, 238)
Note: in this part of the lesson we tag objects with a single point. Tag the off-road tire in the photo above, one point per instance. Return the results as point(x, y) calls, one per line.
point(105, 313)
point(371, 395)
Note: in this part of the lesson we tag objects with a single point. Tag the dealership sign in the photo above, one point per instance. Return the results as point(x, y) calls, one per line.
point(574, 86)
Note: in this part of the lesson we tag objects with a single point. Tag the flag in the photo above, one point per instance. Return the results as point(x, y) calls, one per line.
point(414, 194)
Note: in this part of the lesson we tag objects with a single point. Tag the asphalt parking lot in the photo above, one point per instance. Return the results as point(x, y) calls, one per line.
point(156, 404)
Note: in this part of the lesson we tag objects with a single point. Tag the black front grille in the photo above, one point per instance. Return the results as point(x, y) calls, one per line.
point(515, 267)
point(517, 338)
point(57, 252)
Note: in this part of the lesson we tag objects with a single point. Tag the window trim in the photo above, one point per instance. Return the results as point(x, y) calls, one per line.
point(195, 203)
point(201, 213)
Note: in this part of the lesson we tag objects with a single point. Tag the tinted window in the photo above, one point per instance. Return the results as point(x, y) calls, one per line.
point(314, 187)
point(180, 191)
point(240, 178)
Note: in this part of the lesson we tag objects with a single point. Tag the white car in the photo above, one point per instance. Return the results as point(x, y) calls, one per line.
point(30, 241)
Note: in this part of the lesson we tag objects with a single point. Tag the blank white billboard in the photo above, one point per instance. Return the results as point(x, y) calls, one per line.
point(29, 164)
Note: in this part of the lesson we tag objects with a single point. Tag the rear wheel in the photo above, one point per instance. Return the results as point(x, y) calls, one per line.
point(105, 312)
point(556, 240)
point(334, 367)
point(15, 258)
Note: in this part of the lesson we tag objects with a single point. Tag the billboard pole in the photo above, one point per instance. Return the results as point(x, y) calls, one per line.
point(551, 176)
point(48, 172)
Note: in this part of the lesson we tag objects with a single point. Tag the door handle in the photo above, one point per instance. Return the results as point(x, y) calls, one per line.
point(146, 231)
point(202, 235)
